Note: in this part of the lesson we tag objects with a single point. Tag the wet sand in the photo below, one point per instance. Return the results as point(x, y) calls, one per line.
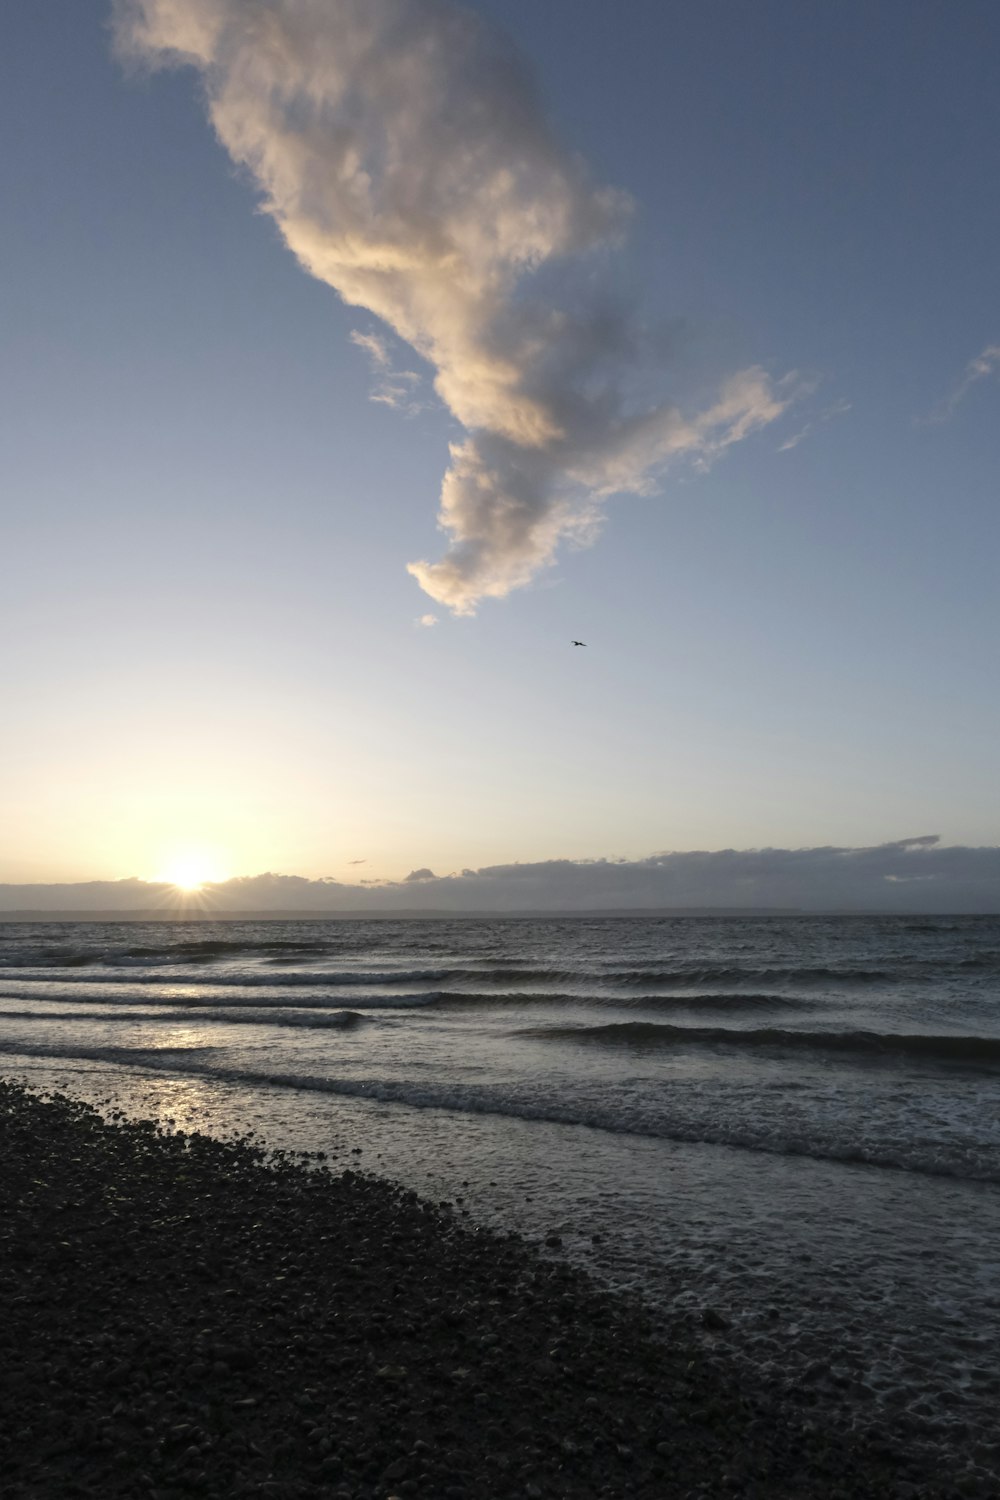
point(181, 1316)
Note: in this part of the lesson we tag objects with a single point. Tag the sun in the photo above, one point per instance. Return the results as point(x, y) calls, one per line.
point(191, 869)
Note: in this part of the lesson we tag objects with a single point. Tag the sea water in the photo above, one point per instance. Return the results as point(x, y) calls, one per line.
point(783, 1133)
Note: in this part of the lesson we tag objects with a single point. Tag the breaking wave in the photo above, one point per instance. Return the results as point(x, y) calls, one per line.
point(979, 1050)
point(315, 1019)
point(964, 1160)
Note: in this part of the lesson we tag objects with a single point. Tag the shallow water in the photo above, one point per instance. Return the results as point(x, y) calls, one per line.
point(785, 1153)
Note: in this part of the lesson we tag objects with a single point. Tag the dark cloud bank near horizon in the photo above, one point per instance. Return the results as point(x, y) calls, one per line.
point(917, 875)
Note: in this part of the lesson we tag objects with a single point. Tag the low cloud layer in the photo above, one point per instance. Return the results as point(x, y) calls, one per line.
point(402, 149)
point(911, 876)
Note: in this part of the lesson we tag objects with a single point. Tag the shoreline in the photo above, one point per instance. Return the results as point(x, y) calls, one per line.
point(182, 1316)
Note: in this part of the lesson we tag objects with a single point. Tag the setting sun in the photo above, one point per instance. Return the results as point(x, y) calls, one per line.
point(191, 868)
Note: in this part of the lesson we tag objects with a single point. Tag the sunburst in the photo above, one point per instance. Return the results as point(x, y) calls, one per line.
point(190, 869)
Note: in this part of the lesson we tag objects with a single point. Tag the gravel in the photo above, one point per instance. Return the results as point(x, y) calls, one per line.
point(183, 1316)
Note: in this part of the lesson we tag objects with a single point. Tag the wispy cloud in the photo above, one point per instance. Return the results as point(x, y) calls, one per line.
point(395, 388)
point(374, 346)
point(402, 149)
point(981, 368)
point(838, 409)
point(427, 621)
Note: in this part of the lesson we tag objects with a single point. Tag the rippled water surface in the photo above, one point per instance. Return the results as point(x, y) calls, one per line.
point(792, 1122)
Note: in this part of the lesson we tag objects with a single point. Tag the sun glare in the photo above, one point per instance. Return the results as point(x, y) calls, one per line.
point(190, 870)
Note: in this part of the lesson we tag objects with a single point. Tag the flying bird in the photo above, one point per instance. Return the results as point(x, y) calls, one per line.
point(578, 643)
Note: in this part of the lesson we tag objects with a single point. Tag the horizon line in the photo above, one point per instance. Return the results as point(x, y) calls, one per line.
point(200, 913)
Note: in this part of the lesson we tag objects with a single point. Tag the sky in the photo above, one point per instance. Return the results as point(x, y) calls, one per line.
point(456, 334)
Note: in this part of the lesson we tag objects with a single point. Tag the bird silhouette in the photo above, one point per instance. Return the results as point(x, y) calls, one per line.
point(578, 643)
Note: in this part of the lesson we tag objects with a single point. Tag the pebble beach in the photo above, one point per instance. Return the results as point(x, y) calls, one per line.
point(181, 1315)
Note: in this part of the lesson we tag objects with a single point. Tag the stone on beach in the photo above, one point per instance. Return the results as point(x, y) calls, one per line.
point(180, 1316)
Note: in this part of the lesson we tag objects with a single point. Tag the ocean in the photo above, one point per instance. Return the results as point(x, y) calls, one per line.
point(784, 1133)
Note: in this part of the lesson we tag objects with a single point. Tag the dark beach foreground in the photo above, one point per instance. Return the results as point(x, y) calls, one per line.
point(181, 1316)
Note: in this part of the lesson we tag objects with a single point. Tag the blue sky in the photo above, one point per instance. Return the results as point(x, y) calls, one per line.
point(209, 630)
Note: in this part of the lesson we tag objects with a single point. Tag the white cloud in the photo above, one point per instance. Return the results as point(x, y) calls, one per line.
point(981, 368)
point(428, 621)
point(401, 148)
